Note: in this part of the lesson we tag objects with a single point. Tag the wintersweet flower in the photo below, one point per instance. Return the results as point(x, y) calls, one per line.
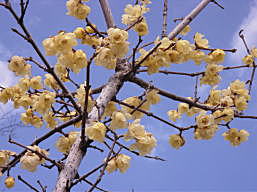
point(200, 41)
point(77, 9)
point(9, 182)
point(31, 160)
point(64, 143)
point(96, 131)
point(173, 115)
point(19, 66)
point(176, 141)
point(236, 137)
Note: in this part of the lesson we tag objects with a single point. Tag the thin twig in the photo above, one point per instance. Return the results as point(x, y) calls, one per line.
point(196, 87)
point(41, 186)
point(253, 64)
point(39, 140)
point(104, 167)
point(219, 5)
point(135, 152)
point(95, 30)
point(133, 24)
point(34, 151)
point(146, 85)
point(196, 73)
point(85, 113)
point(26, 183)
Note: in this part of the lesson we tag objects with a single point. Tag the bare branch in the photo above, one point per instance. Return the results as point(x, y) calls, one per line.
point(219, 5)
point(254, 66)
point(26, 183)
point(145, 85)
point(164, 15)
point(107, 13)
point(189, 18)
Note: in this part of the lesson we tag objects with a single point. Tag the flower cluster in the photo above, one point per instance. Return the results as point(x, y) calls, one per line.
point(19, 66)
point(170, 51)
point(183, 108)
point(121, 162)
point(77, 9)
point(132, 16)
point(236, 137)
point(206, 127)
point(30, 118)
point(30, 160)
point(151, 97)
point(86, 36)
point(64, 143)
point(113, 47)
point(145, 141)
point(211, 75)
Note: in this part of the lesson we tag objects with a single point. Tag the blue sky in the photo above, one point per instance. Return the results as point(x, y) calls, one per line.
point(212, 165)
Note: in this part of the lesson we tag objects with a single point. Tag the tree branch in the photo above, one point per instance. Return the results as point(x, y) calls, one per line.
point(107, 13)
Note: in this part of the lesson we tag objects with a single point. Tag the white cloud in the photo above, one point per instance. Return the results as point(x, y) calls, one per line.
point(249, 25)
point(7, 78)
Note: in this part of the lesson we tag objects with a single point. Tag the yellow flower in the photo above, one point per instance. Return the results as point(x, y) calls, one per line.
point(135, 130)
point(198, 56)
point(9, 182)
point(96, 131)
point(35, 82)
point(50, 81)
point(183, 108)
point(215, 57)
point(19, 66)
point(204, 120)
point(117, 36)
point(184, 47)
point(31, 160)
point(119, 120)
point(173, 115)
point(176, 141)
point(185, 30)
point(241, 103)
point(153, 97)
point(5, 156)
point(248, 60)
point(254, 52)
point(135, 102)
point(77, 9)
point(123, 162)
point(206, 132)
point(236, 137)
point(61, 43)
point(109, 109)
point(50, 120)
point(105, 58)
point(133, 13)
point(79, 32)
point(64, 144)
point(144, 144)
point(89, 29)
point(202, 43)
point(141, 28)
point(111, 166)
